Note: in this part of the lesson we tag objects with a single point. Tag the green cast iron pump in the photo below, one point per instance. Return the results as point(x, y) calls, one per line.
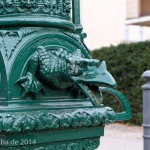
point(50, 88)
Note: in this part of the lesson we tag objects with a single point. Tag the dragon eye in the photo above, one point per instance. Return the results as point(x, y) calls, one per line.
point(83, 64)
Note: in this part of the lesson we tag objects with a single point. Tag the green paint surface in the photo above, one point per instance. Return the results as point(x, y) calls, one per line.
point(50, 87)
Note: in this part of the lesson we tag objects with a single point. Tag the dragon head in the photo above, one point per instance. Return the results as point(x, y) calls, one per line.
point(77, 64)
point(90, 77)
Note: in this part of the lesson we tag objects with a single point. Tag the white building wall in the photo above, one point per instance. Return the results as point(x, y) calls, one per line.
point(132, 8)
point(104, 23)
point(146, 33)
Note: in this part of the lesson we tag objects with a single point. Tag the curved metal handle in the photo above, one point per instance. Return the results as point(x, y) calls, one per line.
point(127, 113)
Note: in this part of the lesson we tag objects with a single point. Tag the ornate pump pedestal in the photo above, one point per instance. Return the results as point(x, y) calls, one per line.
point(50, 87)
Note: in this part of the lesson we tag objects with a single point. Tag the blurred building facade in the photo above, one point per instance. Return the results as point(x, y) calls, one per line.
point(138, 12)
point(110, 22)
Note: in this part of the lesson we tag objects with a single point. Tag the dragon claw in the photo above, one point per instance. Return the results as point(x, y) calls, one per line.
point(30, 84)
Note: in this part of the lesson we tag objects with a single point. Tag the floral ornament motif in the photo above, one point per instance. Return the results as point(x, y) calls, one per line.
point(28, 3)
point(9, 3)
point(47, 121)
point(15, 148)
point(51, 147)
point(51, 3)
point(86, 144)
point(82, 119)
point(24, 123)
point(71, 146)
point(51, 7)
point(91, 144)
point(67, 6)
point(19, 123)
point(1, 3)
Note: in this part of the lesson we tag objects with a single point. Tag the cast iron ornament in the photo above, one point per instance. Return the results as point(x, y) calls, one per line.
point(62, 70)
point(51, 90)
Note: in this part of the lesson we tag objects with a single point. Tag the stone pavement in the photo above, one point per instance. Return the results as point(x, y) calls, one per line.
point(122, 137)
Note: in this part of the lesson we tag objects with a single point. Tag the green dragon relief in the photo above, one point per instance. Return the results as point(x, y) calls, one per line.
point(61, 69)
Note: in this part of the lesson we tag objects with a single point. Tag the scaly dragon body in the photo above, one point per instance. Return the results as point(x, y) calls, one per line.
point(60, 69)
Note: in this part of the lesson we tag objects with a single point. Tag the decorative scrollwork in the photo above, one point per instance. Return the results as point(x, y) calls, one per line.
point(91, 144)
point(51, 147)
point(28, 3)
point(46, 121)
point(51, 7)
point(70, 146)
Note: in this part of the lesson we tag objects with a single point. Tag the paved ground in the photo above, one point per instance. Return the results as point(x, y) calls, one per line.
point(122, 137)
